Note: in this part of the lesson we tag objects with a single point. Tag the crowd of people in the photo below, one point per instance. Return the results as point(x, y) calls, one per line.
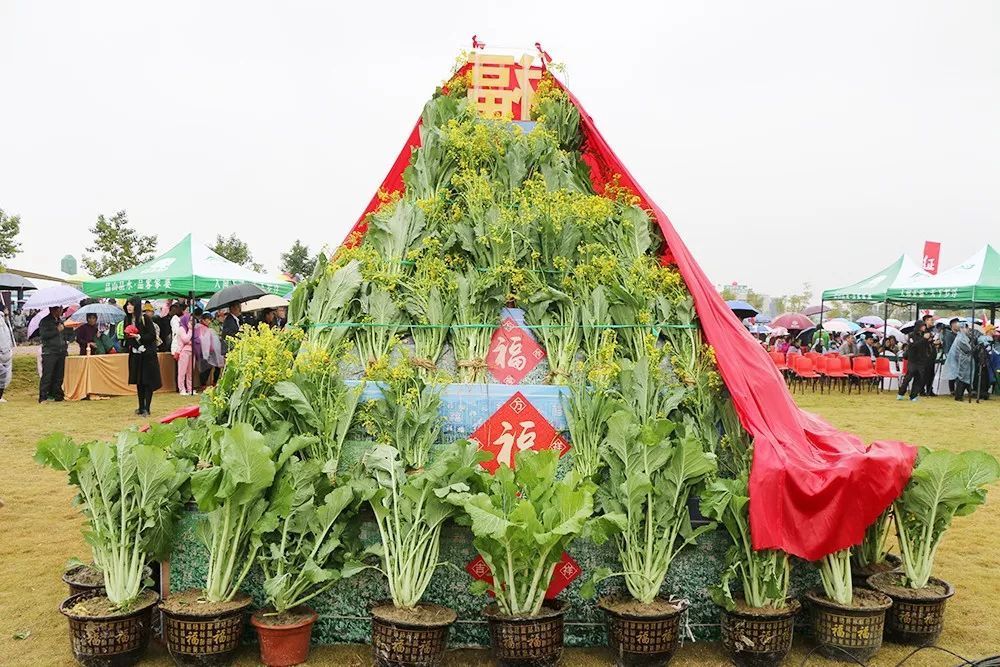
point(969, 359)
point(196, 338)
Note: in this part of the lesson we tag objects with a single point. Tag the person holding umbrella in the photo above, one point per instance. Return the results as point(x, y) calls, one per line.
point(143, 364)
point(50, 330)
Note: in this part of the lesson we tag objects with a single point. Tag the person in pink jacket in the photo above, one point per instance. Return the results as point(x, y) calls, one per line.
point(185, 352)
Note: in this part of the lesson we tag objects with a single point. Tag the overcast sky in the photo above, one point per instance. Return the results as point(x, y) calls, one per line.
point(788, 142)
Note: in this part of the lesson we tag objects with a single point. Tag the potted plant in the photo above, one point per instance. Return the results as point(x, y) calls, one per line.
point(872, 555)
point(847, 622)
point(130, 493)
point(205, 626)
point(757, 625)
point(522, 523)
point(81, 577)
point(943, 485)
point(653, 467)
point(310, 549)
point(410, 511)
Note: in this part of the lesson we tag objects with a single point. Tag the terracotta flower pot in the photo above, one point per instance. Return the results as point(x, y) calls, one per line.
point(527, 641)
point(642, 635)
point(755, 637)
point(202, 635)
point(410, 638)
point(917, 615)
point(284, 638)
point(112, 639)
point(845, 632)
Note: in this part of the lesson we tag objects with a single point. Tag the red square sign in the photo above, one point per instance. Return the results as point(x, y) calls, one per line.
point(566, 571)
point(513, 353)
point(515, 426)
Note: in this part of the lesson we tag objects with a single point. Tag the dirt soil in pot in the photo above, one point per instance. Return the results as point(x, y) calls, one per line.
point(763, 612)
point(293, 616)
point(897, 587)
point(422, 614)
point(84, 576)
point(100, 606)
point(193, 602)
point(629, 607)
point(863, 599)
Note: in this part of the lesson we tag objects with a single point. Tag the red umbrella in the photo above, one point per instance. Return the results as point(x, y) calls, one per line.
point(792, 321)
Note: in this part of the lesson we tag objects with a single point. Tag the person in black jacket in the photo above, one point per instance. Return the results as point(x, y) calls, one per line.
point(918, 351)
point(143, 364)
point(50, 330)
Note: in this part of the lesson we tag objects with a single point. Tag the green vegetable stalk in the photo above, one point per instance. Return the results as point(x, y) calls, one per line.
point(764, 574)
point(130, 493)
point(835, 574)
point(410, 511)
point(875, 546)
point(944, 485)
point(314, 540)
point(522, 523)
point(653, 468)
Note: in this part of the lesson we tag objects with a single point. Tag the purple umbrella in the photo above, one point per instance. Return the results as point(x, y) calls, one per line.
point(816, 310)
point(790, 321)
point(60, 295)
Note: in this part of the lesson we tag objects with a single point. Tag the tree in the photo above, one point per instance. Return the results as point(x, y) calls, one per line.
point(10, 227)
point(297, 261)
point(118, 246)
point(793, 303)
point(235, 250)
point(755, 299)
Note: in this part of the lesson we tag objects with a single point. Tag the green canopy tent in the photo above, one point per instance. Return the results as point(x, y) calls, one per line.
point(974, 282)
point(874, 288)
point(189, 269)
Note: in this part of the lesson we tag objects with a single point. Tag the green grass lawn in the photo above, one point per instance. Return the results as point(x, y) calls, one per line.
point(41, 529)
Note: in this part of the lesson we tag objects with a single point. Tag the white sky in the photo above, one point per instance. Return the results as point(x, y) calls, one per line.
point(788, 141)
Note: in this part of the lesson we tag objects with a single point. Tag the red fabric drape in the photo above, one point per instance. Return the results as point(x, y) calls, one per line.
point(813, 489)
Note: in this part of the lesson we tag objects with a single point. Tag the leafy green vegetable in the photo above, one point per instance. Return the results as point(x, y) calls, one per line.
point(522, 524)
point(944, 485)
point(653, 467)
point(130, 493)
point(764, 574)
point(411, 509)
point(331, 303)
point(314, 543)
point(430, 302)
point(478, 308)
point(408, 414)
point(232, 490)
point(875, 546)
point(588, 410)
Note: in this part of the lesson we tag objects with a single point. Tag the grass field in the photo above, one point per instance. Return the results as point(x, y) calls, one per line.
point(39, 529)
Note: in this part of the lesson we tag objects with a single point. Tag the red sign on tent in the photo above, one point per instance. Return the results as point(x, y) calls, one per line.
point(566, 571)
point(932, 255)
point(513, 353)
point(517, 425)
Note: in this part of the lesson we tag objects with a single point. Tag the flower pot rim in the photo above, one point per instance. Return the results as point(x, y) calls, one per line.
point(65, 606)
point(312, 618)
point(76, 568)
point(875, 580)
point(550, 609)
point(817, 597)
point(792, 608)
point(413, 624)
point(679, 607)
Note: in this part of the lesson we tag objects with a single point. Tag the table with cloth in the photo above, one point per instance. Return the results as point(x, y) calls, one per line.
point(107, 375)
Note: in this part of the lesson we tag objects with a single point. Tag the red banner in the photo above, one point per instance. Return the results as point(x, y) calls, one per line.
point(932, 254)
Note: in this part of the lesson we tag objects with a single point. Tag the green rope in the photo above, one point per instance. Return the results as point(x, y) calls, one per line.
point(329, 325)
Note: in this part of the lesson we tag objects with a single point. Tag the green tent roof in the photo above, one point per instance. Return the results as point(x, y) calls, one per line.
point(189, 267)
point(874, 287)
point(976, 281)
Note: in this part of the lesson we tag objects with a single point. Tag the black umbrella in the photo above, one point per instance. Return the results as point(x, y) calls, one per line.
point(227, 296)
point(16, 282)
